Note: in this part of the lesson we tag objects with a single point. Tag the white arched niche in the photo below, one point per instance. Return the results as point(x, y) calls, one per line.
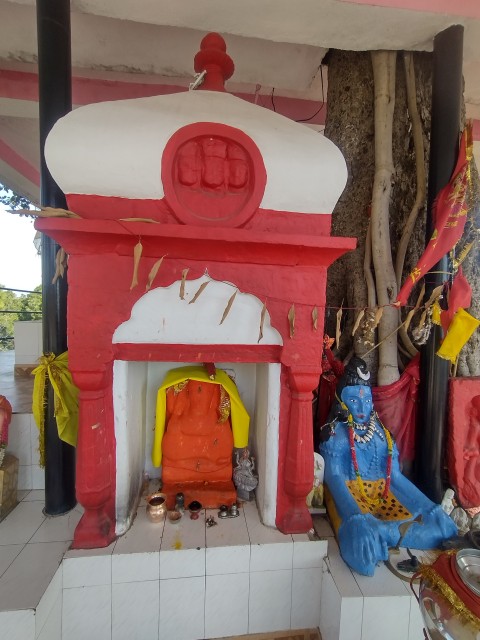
point(162, 316)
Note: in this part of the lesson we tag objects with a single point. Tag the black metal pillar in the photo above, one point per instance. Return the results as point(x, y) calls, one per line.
point(446, 108)
point(55, 100)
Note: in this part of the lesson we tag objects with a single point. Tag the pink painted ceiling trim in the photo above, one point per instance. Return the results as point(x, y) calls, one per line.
point(468, 8)
point(21, 85)
point(19, 164)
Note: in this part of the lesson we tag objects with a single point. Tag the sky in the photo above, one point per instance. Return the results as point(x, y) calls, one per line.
point(20, 266)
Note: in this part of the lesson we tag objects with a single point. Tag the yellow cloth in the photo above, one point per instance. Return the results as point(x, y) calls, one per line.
point(239, 415)
point(459, 333)
point(65, 398)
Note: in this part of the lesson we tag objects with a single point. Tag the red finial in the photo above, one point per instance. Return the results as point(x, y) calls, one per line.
point(213, 59)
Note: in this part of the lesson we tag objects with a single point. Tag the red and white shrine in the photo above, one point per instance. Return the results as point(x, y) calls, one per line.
point(228, 194)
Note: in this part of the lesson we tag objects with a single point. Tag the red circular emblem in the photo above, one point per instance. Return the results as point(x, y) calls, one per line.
point(213, 175)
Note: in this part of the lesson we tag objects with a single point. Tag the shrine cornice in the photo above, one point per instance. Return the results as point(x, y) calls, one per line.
point(243, 246)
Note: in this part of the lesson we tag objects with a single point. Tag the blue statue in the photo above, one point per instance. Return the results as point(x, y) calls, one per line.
point(371, 504)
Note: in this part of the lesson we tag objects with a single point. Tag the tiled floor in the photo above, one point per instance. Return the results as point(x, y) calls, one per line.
point(18, 389)
point(238, 577)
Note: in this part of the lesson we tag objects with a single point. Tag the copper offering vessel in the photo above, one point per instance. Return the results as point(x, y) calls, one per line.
point(156, 506)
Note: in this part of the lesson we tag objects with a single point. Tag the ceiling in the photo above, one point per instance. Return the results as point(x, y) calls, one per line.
point(132, 48)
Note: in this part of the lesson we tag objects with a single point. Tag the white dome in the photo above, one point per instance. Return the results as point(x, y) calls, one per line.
point(115, 149)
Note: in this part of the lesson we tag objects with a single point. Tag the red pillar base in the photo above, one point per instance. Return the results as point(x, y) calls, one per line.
point(95, 530)
point(296, 520)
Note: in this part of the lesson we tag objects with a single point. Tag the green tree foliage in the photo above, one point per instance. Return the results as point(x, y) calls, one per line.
point(17, 307)
point(13, 200)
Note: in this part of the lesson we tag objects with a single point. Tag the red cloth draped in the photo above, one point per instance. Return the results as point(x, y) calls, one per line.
point(396, 405)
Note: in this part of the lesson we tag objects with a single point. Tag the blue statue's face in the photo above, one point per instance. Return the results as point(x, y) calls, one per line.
point(358, 399)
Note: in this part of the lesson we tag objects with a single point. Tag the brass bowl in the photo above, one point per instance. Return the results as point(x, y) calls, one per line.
point(174, 516)
point(156, 506)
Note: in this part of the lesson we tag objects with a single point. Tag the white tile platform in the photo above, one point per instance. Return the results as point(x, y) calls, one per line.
point(159, 581)
point(187, 582)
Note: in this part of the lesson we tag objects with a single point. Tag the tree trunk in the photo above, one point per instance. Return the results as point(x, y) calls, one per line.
point(350, 125)
point(384, 67)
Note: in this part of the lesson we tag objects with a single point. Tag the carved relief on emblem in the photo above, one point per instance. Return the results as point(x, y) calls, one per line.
point(213, 178)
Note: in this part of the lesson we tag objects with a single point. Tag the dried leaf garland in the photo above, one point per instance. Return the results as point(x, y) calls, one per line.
point(60, 264)
point(199, 292)
point(182, 284)
point(357, 321)
point(137, 253)
point(409, 317)
point(262, 320)
point(47, 212)
point(153, 272)
point(436, 293)
point(413, 311)
point(228, 307)
point(291, 320)
point(338, 332)
point(377, 317)
point(57, 212)
point(315, 318)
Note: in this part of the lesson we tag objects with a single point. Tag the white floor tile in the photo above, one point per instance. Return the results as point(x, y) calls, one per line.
point(351, 618)
point(270, 601)
point(87, 571)
point(307, 555)
point(19, 438)
point(227, 531)
point(271, 557)
point(182, 618)
point(143, 535)
point(25, 581)
point(416, 624)
point(183, 563)
point(35, 495)
point(135, 610)
point(322, 527)
point(389, 612)
point(52, 629)
point(90, 553)
point(225, 560)
point(226, 605)
point(20, 525)
point(258, 533)
point(8, 553)
point(58, 528)
point(17, 625)
point(342, 575)
point(330, 609)
point(38, 477)
point(53, 591)
point(306, 597)
point(383, 583)
point(25, 477)
point(34, 441)
point(22, 494)
point(87, 613)
point(135, 567)
point(186, 534)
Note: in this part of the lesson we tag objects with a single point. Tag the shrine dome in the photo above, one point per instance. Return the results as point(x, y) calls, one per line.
point(122, 149)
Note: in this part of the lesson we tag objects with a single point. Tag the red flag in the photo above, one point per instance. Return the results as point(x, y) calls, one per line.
point(449, 214)
point(460, 295)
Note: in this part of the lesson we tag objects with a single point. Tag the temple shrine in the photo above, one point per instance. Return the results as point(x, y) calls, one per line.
point(197, 181)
